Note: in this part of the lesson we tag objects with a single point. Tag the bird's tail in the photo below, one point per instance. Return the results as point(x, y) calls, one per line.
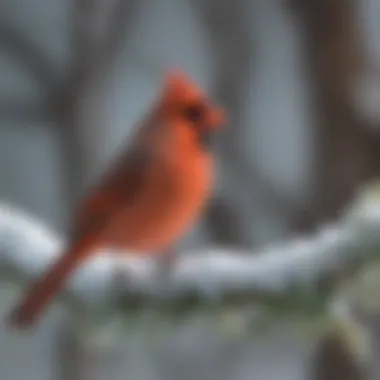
point(46, 288)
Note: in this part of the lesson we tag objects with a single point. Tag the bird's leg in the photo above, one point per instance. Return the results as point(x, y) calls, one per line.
point(166, 263)
point(120, 277)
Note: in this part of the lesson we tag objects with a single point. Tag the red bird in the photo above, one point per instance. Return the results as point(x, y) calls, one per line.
point(150, 196)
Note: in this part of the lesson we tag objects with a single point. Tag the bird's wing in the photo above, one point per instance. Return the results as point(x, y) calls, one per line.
point(120, 185)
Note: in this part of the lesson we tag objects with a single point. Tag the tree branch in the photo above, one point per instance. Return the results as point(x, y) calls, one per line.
point(287, 276)
point(30, 55)
point(98, 31)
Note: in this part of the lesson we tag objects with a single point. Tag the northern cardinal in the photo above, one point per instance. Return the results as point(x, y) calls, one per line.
point(151, 194)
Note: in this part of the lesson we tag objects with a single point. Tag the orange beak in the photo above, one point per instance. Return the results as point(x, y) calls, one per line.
point(216, 118)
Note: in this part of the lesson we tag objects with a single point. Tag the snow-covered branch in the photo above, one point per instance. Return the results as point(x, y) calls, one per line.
point(292, 276)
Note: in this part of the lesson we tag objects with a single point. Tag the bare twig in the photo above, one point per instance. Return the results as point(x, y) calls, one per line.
point(29, 55)
point(98, 32)
point(99, 29)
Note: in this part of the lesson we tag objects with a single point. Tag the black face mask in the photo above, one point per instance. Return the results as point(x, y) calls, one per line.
point(196, 114)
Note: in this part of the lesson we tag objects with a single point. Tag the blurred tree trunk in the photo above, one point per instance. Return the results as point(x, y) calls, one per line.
point(333, 362)
point(77, 106)
point(347, 148)
point(229, 40)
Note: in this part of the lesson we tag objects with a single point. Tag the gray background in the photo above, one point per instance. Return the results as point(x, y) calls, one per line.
point(274, 132)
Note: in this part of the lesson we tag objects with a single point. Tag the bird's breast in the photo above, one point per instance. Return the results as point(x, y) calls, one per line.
point(171, 200)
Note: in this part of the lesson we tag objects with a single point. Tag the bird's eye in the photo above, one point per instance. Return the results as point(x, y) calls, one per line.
point(195, 113)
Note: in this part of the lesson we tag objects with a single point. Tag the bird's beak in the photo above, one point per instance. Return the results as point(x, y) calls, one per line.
point(216, 118)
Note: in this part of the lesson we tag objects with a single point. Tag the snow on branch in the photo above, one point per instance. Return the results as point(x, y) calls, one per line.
point(294, 275)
